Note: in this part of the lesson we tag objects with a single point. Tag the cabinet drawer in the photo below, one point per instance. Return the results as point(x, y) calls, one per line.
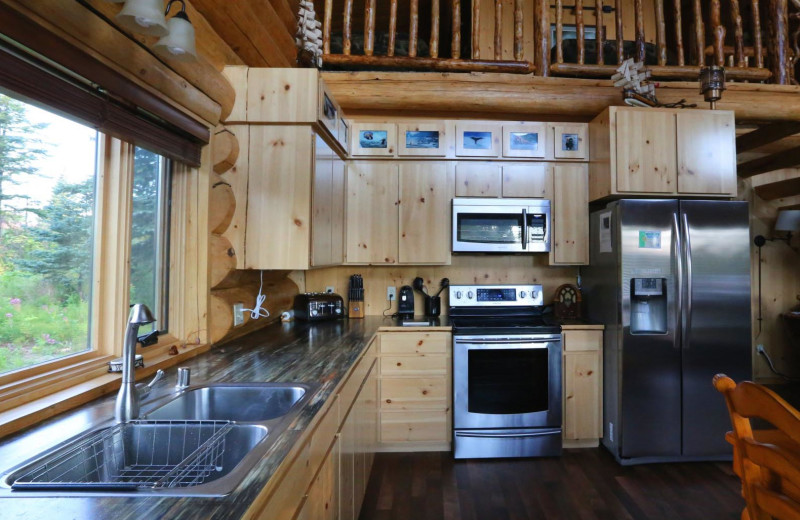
point(420, 365)
point(583, 340)
point(414, 393)
point(414, 427)
point(415, 343)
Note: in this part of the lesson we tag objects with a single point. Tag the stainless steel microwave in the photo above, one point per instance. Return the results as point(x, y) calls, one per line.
point(501, 225)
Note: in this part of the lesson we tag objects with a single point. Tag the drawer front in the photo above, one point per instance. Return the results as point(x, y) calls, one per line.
point(415, 343)
point(414, 393)
point(583, 340)
point(421, 365)
point(415, 427)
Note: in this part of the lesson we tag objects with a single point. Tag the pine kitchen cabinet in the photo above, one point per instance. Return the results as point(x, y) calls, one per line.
point(569, 237)
point(663, 152)
point(398, 212)
point(583, 385)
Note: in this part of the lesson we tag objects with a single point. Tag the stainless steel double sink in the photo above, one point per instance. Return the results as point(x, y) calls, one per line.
point(201, 441)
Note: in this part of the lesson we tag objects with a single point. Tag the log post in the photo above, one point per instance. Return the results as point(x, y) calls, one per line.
point(580, 31)
point(455, 44)
point(619, 29)
point(676, 11)
point(476, 29)
point(661, 33)
point(347, 30)
point(369, 27)
point(738, 34)
point(498, 29)
point(758, 49)
point(413, 28)
point(559, 31)
point(641, 53)
point(599, 30)
point(778, 40)
point(719, 33)
point(392, 27)
point(699, 33)
point(519, 50)
point(326, 27)
point(434, 45)
point(542, 45)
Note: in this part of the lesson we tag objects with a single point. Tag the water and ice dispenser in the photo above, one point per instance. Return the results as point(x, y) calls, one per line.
point(648, 306)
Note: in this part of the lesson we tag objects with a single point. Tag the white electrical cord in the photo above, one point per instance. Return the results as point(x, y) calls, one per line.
point(259, 311)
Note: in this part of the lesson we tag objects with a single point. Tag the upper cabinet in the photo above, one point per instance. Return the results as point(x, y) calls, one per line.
point(372, 217)
point(425, 191)
point(649, 151)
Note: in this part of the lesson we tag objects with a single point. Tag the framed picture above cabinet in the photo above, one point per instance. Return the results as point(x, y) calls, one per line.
point(570, 141)
point(477, 140)
point(422, 139)
point(373, 139)
point(525, 140)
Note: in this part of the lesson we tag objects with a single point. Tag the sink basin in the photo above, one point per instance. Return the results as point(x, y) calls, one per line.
point(243, 402)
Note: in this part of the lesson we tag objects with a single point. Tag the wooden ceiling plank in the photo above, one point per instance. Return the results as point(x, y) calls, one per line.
point(274, 27)
point(766, 135)
point(287, 15)
point(778, 190)
point(777, 161)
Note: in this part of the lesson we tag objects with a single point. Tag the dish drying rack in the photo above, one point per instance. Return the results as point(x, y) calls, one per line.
point(133, 455)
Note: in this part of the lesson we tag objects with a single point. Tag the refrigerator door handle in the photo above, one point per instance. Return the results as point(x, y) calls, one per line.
point(687, 319)
point(678, 256)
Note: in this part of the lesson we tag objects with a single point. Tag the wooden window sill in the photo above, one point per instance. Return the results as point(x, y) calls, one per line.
point(36, 400)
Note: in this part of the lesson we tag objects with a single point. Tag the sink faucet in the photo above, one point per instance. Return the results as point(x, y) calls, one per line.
point(127, 404)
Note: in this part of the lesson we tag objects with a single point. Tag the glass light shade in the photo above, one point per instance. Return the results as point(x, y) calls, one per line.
point(788, 220)
point(179, 43)
point(144, 17)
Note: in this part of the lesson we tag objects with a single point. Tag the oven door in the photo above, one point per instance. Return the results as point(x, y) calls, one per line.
point(501, 229)
point(507, 382)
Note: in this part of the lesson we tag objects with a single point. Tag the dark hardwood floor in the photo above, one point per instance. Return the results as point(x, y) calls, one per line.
point(584, 484)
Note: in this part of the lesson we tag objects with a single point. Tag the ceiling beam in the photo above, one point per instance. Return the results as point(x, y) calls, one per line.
point(766, 135)
point(777, 161)
point(779, 190)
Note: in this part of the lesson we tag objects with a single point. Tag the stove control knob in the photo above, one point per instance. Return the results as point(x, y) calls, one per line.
point(470, 295)
point(522, 294)
point(458, 295)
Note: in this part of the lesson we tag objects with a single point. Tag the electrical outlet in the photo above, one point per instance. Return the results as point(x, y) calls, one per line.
point(391, 293)
point(330, 289)
point(238, 314)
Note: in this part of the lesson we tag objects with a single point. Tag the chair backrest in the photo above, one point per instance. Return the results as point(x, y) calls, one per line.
point(770, 472)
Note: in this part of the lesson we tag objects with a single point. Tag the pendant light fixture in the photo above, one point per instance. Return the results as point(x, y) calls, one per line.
point(179, 43)
point(143, 17)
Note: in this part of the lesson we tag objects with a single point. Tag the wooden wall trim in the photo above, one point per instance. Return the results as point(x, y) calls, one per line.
point(532, 97)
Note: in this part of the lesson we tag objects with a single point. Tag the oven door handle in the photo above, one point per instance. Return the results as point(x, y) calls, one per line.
point(489, 435)
point(501, 342)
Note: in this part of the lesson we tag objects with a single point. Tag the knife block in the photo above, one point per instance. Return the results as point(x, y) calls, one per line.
point(355, 309)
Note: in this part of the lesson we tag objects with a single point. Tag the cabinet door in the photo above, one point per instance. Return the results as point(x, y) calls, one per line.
point(646, 160)
point(347, 445)
point(337, 211)
point(372, 215)
point(706, 152)
point(570, 214)
point(530, 180)
point(478, 179)
point(322, 205)
point(582, 395)
point(279, 197)
point(424, 213)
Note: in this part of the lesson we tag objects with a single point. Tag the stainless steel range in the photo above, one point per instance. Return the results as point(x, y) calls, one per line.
point(506, 373)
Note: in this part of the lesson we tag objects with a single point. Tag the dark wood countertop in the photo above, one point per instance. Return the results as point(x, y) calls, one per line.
point(282, 352)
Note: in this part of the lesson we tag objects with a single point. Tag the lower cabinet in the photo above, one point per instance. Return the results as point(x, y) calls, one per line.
point(328, 477)
point(583, 387)
point(415, 391)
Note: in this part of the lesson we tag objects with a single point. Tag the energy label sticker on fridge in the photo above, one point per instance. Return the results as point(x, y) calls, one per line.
point(649, 239)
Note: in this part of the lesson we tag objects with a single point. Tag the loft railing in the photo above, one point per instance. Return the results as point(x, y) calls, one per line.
point(589, 38)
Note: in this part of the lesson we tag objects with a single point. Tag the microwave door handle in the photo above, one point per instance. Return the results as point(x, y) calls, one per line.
point(524, 229)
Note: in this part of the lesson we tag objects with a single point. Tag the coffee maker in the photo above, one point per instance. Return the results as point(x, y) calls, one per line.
point(405, 303)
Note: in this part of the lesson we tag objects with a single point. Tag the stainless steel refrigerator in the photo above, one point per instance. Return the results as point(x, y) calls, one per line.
point(671, 282)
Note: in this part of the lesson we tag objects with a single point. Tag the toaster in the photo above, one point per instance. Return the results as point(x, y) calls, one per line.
point(318, 306)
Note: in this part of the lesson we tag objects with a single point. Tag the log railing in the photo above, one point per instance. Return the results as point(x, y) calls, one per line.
point(590, 38)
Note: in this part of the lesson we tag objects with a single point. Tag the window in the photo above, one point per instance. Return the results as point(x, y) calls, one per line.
point(47, 218)
point(149, 237)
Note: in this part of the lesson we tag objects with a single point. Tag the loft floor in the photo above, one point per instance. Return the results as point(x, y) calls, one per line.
point(584, 484)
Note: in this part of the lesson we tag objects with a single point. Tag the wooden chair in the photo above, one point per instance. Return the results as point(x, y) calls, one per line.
point(767, 461)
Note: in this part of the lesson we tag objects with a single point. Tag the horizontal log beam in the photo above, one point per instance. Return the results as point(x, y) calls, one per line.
point(535, 96)
point(779, 190)
point(765, 135)
point(777, 161)
point(427, 64)
point(685, 72)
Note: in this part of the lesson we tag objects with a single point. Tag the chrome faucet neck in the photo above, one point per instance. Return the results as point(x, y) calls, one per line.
point(127, 404)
